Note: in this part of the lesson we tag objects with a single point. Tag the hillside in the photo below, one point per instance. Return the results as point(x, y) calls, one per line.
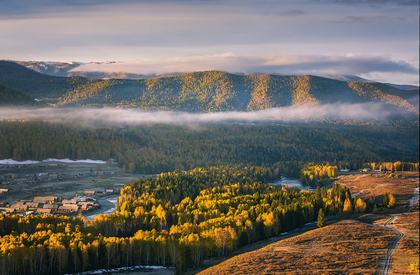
point(207, 91)
point(334, 249)
point(11, 97)
point(34, 84)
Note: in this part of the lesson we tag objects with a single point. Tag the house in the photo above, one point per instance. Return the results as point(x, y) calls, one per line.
point(69, 201)
point(68, 208)
point(18, 207)
point(32, 205)
point(85, 206)
point(44, 210)
point(53, 207)
point(89, 192)
point(45, 199)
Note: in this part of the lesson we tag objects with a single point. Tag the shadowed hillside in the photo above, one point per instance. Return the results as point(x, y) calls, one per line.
point(11, 97)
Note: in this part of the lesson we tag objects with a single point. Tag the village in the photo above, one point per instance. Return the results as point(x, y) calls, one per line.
point(51, 171)
point(78, 204)
point(78, 187)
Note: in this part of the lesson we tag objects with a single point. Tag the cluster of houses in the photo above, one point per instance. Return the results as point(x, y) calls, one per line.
point(51, 205)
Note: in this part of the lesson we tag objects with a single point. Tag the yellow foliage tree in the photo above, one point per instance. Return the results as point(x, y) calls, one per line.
point(391, 201)
point(347, 207)
point(360, 206)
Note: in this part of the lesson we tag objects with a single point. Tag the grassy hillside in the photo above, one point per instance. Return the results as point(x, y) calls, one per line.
point(207, 91)
point(334, 249)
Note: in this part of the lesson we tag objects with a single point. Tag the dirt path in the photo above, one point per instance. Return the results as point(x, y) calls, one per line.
point(388, 259)
point(388, 224)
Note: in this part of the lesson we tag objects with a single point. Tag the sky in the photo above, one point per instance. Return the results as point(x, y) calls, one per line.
point(375, 39)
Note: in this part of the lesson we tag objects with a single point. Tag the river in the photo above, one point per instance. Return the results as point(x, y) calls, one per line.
point(108, 206)
point(289, 182)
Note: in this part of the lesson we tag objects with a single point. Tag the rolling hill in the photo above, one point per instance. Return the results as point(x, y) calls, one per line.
point(207, 91)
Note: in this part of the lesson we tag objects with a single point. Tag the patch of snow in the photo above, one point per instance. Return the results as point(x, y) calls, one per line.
point(76, 161)
point(26, 162)
point(122, 269)
point(16, 162)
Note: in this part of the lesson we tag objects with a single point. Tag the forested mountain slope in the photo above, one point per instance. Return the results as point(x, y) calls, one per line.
point(11, 97)
point(207, 91)
point(157, 148)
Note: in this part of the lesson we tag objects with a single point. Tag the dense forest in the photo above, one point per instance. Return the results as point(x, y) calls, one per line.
point(11, 97)
point(156, 148)
point(175, 219)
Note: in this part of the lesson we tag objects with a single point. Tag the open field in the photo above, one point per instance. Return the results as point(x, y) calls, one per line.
point(385, 242)
point(373, 185)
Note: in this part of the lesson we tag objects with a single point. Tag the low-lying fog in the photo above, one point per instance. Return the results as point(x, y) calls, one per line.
point(118, 116)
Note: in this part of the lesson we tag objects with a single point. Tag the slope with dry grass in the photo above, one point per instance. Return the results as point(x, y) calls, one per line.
point(337, 248)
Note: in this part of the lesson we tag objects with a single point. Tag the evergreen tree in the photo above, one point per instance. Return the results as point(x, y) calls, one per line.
point(321, 218)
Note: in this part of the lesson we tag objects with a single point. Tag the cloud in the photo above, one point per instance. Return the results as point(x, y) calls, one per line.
point(374, 2)
point(360, 19)
point(319, 65)
point(121, 117)
point(293, 12)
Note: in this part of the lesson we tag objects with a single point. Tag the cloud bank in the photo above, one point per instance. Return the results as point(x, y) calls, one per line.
point(122, 117)
point(248, 64)
point(286, 65)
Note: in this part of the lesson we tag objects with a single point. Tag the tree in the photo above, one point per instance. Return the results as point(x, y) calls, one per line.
point(391, 201)
point(347, 207)
point(360, 205)
point(321, 218)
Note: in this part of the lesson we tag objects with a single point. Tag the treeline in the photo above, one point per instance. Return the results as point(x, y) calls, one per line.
point(176, 219)
point(157, 148)
point(394, 166)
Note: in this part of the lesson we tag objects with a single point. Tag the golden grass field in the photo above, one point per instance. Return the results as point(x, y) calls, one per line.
point(336, 248)
point(407, 251)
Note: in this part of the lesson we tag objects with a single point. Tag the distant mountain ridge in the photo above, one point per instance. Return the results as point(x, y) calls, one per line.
point(68, 69)
point(207, 91)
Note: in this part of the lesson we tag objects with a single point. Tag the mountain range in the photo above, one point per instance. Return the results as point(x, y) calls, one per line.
point(206, 91)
